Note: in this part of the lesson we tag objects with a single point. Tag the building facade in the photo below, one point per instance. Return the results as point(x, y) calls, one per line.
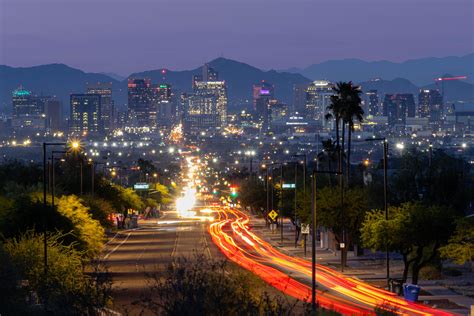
point(397, 107)
point(107, 103)
point(430, 105)
point(318, 98)
point(141, 103)
point(85, 118)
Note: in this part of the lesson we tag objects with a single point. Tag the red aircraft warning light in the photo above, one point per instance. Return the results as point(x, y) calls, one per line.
point(451, 78)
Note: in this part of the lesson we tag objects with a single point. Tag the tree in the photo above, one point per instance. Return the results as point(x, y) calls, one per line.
point(329, 214)
point(329, 154)
point(336, 112)
point(161, 194)
point(414, 230)
point(460, 248)
point(350, 97)
point(67, 289)
point(99, 209)
point(440, 180)
point(253, 195)
point(87, 230)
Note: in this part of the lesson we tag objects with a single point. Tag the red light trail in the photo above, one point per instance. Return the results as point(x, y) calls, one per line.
point(338, 292)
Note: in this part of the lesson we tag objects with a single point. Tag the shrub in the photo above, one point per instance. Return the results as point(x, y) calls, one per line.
point(66, 289)
point(89, 232)
point(430, 273)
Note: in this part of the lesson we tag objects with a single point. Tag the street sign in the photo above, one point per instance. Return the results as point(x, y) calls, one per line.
point(273, 215)
point(305, 229)
point(141, 186)
point(289, 185)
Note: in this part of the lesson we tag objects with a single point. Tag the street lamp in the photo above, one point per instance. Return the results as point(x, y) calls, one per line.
point(313, 235)
point(53, 174)
point(385, 191)
point(251, 154)
point(74, 146)
point(304, 188)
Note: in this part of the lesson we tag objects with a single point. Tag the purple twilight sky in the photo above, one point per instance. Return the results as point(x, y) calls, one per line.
point(126, 36)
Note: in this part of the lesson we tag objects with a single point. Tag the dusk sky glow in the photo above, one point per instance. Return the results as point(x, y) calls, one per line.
point(127, 36)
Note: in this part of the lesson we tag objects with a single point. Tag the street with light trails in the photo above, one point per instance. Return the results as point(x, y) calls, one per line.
point(231, 233)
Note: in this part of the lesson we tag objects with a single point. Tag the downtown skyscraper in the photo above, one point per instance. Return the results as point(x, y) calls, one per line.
point(207, 106)
point(141, 106)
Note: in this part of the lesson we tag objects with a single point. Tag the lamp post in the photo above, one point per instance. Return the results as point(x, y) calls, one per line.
point(53, 183)
point(251, 154)
point(385, 192)
point(45, 206)
point(313, 235)
point(74, 146)
point(304, 189)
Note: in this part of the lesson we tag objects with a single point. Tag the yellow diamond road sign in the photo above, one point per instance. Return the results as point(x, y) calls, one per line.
point(273, 215)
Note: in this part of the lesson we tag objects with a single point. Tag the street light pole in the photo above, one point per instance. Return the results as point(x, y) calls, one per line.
point(385, 193)
point(313, 235)
point(45, 207)
point(281, 202)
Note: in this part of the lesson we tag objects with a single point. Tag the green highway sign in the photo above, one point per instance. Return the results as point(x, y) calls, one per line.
point(141, 186)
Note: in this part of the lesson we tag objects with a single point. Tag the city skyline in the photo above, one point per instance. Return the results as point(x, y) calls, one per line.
point(232, 31)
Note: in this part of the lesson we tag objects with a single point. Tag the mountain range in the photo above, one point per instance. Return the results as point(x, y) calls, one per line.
point(421, 71)
point(62, 80)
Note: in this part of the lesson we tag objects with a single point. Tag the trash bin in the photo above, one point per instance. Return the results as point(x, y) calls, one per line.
point(411, 292)
point(395, 286)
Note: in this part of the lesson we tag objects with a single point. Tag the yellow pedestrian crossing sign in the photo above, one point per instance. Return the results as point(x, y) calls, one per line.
point(273, 215)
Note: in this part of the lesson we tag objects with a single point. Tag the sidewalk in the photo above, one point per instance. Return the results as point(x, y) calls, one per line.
point(370, 267)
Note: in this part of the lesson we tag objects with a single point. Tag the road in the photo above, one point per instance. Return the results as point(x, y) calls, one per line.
point(291, 275)
point(150, 248)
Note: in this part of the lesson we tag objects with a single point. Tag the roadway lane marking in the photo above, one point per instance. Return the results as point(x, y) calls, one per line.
point(175, 244)
point(116, 247)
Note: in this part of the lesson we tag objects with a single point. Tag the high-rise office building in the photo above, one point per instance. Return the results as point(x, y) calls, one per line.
point(107, 103)
point(263, 96)
point(430, 104)
point(85, 116)
point(318, 98)
point(207, 74)
point(372, 102)
point(397, 107)
point(207, 106)
point(28, 111)
point(263, 90)
point(299, 97)
point(53, 112)
point(205, 91)
point(141, 102)
point(166, 108)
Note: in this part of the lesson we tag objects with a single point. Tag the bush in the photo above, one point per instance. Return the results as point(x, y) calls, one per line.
point(88, 231)
point(66, 289)
point(207, 287)
point(99, 209)
point(430, 273)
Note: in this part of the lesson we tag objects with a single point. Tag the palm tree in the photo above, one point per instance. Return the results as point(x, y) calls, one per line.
point(352, 111)
point(335, 112)
point(329, 154)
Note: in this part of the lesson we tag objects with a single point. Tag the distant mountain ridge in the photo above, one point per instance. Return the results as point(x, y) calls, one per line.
point(62, 80)
point(421, 71)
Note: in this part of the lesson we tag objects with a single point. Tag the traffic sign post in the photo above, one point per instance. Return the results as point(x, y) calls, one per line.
point(305, 232)
point(273, 215)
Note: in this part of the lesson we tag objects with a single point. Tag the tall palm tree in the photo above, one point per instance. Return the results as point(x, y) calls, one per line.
point(335, 112)
point(328, 154)
point(352, 112)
